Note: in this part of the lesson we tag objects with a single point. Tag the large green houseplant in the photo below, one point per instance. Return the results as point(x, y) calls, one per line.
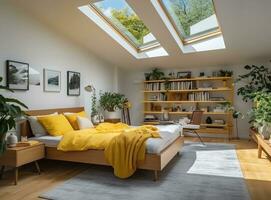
point(260, 115)
point(111, 102)
point(10, 110)
point(256, 79)
point(257, 89)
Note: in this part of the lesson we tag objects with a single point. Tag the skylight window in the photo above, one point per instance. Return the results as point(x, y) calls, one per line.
point(193, 19)
point(123, 18)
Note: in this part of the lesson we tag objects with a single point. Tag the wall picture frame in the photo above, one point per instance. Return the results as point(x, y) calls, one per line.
point(51, 80)
point(17, 75)
point(73, 83)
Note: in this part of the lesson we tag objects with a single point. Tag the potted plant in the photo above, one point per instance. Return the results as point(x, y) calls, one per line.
point(111, 102)
point(260, 115)
point(10, 110)
point(157, 74)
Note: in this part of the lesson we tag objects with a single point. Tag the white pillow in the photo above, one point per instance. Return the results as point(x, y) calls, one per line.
point(36, 127)
point(84, 123)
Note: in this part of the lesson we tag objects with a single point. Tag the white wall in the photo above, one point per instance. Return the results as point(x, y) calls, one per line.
point(131, 86)
point(24, 39)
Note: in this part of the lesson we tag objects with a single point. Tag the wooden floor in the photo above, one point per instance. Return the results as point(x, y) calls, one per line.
point(257, 173)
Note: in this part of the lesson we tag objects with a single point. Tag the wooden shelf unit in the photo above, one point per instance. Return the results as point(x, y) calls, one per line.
point(180, 97)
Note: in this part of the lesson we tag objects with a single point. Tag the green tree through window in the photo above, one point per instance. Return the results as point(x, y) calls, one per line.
point(132, 23)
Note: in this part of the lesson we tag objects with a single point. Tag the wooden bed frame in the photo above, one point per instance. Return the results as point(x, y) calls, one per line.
point(154, 162)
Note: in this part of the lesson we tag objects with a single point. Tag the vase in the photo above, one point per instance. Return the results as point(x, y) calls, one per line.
point(95, 119)
point(209, 120)
point(3, 144)
point(112, 115)
point(12, 140)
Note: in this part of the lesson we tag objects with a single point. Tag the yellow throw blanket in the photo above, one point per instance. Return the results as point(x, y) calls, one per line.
point(123, 145)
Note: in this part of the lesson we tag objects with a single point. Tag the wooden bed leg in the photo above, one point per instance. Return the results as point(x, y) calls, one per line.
point(156, 176)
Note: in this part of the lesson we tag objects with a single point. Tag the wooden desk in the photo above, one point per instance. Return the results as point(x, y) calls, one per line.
point(18, 156)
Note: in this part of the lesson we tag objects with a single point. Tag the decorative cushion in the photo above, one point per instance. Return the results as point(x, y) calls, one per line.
point(84, 123)
point(55, 125)
point(72, 118)
point(36, 127)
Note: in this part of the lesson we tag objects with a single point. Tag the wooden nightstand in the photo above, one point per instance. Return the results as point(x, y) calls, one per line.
point(18, 156)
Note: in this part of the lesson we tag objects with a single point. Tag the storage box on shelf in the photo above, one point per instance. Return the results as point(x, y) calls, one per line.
point(187, 94)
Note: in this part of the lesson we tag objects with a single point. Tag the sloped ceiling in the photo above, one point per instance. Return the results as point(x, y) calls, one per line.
point(245, 25)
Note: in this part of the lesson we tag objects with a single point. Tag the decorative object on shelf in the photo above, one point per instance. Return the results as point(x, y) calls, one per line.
point(52, 80)
point(8, 116)
point(216, 73)
point(112, 102)
point(147, 76)
point(201, 74)
point(258, 79)
point(17, 75)
point(73, 83)
point(12, 140)
point(260, 115)
point(172, 75)
point(186, 74)
point(209, 120)
point(225, 73)
point(165, 114)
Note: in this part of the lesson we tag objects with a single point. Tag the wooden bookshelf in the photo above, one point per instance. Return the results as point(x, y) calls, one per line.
point(189, 92)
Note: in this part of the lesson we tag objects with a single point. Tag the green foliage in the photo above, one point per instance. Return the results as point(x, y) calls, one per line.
point(230, 108)
point(261, 113)
point(112, 101)
point(10, 109)
point(258, 79)
point(190, 12)
point(94, 110)
point(132, 23)
point(157, 74)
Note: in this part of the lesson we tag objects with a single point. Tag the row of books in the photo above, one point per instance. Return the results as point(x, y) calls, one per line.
point(183, 85)
point(199, 96)
point(158, 97)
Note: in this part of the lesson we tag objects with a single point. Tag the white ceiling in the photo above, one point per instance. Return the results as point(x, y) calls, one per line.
point(245, 25)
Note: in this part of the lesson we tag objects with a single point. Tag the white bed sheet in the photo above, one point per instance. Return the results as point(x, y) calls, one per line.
point(168, 133)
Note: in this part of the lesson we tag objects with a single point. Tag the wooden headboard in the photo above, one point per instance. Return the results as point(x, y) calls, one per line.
point(25, 129)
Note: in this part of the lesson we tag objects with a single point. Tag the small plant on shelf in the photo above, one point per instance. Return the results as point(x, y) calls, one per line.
point(157, 74)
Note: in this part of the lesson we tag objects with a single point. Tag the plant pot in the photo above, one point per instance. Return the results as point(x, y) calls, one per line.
point(265, 131)
point(112, 115)
point(95, 119)
point(3, 144)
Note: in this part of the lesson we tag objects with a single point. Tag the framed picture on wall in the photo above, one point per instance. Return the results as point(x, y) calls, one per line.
point(17, 75)
point(52, 80)
point(73, 83)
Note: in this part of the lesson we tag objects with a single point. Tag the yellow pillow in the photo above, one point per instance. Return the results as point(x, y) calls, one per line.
point(73, 118)
point(55, 125)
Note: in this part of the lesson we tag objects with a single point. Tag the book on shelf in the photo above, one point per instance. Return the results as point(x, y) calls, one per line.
point(199, 96)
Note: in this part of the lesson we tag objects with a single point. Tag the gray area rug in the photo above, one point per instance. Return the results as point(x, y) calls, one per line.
point(209, 172)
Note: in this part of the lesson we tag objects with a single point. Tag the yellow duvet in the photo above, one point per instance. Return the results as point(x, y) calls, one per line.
point(123, 145)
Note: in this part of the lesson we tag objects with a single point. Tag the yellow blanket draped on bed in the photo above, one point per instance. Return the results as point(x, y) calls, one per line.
point(123, 145)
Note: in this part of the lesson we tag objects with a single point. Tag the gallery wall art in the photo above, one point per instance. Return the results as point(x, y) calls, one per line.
point(73, 83)
point(17, 75)
point(52, 80)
